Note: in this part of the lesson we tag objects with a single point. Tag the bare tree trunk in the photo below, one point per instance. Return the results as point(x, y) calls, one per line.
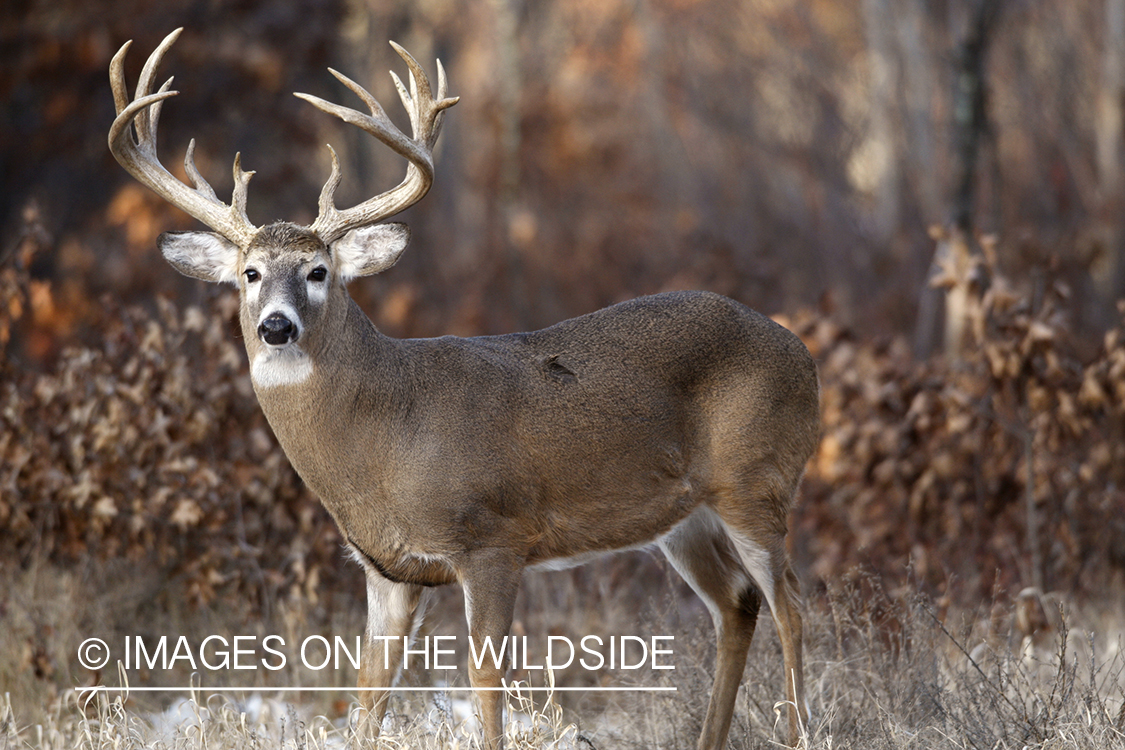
point(506, 205)
point(919, 152)
point(970, 108)
point(918, 88)
point(1109, 131)
point(878, 16)
point(957, 258)
point(509, 80)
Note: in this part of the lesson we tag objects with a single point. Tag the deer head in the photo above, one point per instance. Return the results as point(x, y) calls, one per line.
point(287, 274)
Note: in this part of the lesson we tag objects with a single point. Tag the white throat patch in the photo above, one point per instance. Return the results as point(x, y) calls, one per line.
point(277, 367)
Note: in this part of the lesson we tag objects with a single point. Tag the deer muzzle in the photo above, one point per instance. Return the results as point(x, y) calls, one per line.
point(277, 330)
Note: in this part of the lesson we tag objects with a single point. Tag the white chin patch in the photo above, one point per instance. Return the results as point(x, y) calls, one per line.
point(276, 367)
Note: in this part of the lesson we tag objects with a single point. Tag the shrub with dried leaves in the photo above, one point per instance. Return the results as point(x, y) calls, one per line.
point(1002, 470)
point(147, 444)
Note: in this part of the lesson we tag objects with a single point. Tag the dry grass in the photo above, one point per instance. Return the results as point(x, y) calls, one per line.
point(884, 673)
point(103, 722)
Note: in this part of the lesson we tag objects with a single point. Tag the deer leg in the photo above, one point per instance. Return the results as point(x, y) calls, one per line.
point(769, 566)
point(787, 615)
point(701, 552)
point(393, 616)
point(490, 583)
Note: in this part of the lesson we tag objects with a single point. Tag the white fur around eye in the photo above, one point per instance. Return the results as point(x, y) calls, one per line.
point(252, 291)
point(317, 291)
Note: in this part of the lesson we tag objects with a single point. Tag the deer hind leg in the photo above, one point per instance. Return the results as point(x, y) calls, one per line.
point(394, 614)
point(490, 582)
point(763, 555)
point(702, 553)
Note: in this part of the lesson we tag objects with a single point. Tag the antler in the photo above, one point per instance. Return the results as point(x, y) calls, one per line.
point(425, 120)
point(139, 158)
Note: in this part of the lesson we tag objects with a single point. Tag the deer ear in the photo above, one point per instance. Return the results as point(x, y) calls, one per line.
point(369, 250)
point(201, 255)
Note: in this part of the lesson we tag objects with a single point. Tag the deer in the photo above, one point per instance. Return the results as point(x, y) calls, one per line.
point(682, 420)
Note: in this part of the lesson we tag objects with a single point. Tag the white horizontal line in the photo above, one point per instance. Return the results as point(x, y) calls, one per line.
point(513, 688)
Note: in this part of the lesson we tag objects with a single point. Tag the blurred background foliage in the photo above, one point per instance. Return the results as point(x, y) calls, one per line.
point(786, 153)
point(792, 154)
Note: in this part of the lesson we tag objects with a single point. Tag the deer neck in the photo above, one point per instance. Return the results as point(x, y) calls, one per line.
point(354, 370)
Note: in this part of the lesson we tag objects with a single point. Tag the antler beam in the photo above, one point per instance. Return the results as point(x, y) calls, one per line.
point(138, 156)
point(425, 120)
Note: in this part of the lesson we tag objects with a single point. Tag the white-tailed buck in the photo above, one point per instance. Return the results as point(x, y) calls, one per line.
point(681, 419)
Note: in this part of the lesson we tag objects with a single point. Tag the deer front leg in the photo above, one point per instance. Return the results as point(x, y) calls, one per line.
point(490, 584)
point(393, 614)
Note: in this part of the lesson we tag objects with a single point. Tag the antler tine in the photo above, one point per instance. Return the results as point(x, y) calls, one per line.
point(117, 78)
point(201, 185)
point(442, 82)
point(238, 197)
point(139, 158)
point(425, 111)
point(326, 206)
point(407, 97)
point(377, 123)
point(145, 124)
point(425, 121)
point(154, 111)
point(442, 89)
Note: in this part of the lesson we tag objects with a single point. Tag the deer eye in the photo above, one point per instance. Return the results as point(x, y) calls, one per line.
point(320, 273)
point(251, 275)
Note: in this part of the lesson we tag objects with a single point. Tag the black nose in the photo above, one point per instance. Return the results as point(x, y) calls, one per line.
point(277, 330)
